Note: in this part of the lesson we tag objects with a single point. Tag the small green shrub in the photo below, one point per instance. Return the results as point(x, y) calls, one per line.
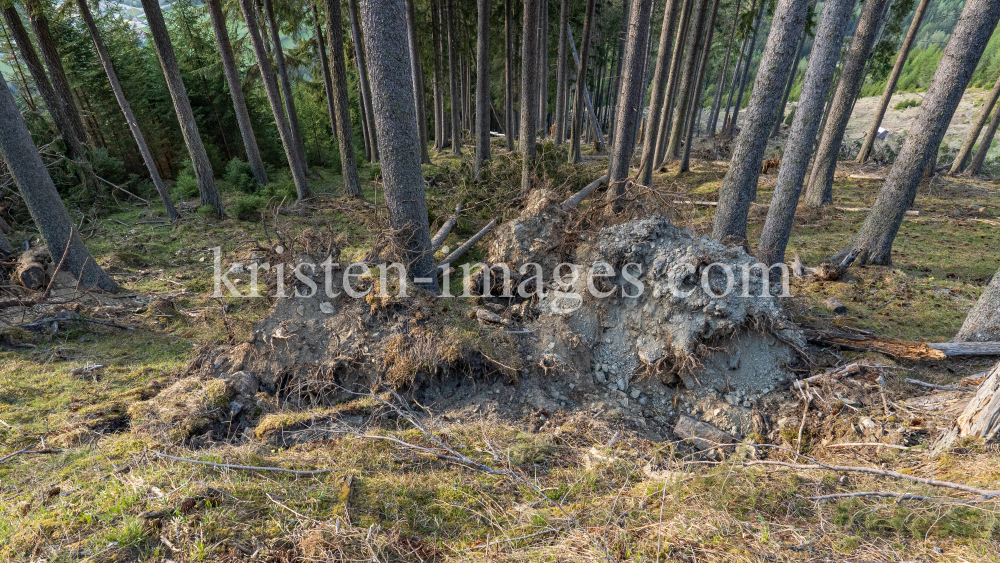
point(281, 189)
point(187, 184)
point(910, 103)
point(107, 166)
point(247, 207)
point(239, 174)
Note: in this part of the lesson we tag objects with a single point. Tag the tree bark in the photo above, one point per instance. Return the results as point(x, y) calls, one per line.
point(737, 70)
point(820, 190)
point(970, 140)
point(274, 99)
point(985, 144)
point(42, 199)
point(694, 115)
point(324, 61)
point(676, 59)
point(595, 125)
point(453, 71)
point(182, 105)
point(739, 188)
point(873, 242)
point(687, 78)
point(741, 88)
point(529, 93)
point(714, 115)
point(392, 93)
point(890, 86)
point(542, 38)
point(366, 89)
point(799, 146)
point(629, 110)
point(791, 81)
point(576, 130)
point(482, 88)
point(562, 75)
point(617, 84)
point(509, 124)
point(345, 135)
point(416, 69)
point(983, 322)
point(53, 61)
point(286, 85)
point(980, 418)
point(663, 56)
point(439, 117)
point(74, 147)
point(235, 89)
point(133, 124)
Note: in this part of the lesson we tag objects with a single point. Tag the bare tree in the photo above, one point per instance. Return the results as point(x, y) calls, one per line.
point(392, 93)
point(576, 130)
point(509, 122)
point(970, 140)
point(697, 95)
point(687, 78)
point(985, 144)
point(133, 125)
point(182, 105)
point(873, 242)
point(345, 136)
point(286, 84)
point(417, 70)
point(440, 130)
point(324, 63)
point(453, 72)
point(274, 99)
point(890, 86)
point(482, 87)
point(714, 115)
point(741, 84)
point(658, 94)
point(43, 201)
point(529, 90)
point(53, 61)
point(673, 79)
point(739, 188)
point(562, 75)
point(820, 190)
point(630, 100)
point(235, 89)
point(542, 38)
point(366, 89)
point(983, 322)
point(798, 149)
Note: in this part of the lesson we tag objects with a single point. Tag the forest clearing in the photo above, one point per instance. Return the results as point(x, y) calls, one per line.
point(663, 326)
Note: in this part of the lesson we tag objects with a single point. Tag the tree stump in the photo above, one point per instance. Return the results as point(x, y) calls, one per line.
point(981, 417)
point(30, 271)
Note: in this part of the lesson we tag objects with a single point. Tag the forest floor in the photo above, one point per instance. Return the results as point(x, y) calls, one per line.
point(579, 486)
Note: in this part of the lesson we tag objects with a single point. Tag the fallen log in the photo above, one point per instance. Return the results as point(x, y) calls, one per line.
point(468, 244)
point(834, 374)
point(939, 387)
point(968, 348)
point(445, 229)
point(981, 417)
point(575, 199)
point(30, 270)
point(887, 346)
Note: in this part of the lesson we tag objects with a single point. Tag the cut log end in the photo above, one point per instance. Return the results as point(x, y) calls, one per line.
point(30, 271)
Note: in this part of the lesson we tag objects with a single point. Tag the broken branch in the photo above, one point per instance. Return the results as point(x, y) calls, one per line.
point(246, 467)
point(575, 199)
point(445, 229)
point(468, 244)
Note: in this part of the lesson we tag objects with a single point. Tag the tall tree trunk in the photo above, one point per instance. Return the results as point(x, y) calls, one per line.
point(416, 69)
point(713, 118)
point(970, 140)
point(562, 75)
point(345, 135)
point(983, 322)
point(482, 87)
point(235, 89)
point(739, 188)
point(439, 118)
point(595, 125)
point(791, 82)
point(691, 60)
point(742, 86)
point(453, 72)
point(509, 123)
point(737, 70)
point(543, 67)
point(673, 79)
point(324, 61)
point(890, 86)
point(798, 149)
point(820, 190)
point(274, 99)
point(663, 56)
point(74, 146)
point(392, 93)
point(50, 54)
point(42, 199)
point(285, 83)
point(985, 144)
point(366, 89)
point(576, 130)
point(133, 125)
point(697, 94)
point(529, 93)
point(630, 101)
point(873, 242)
point(617, 84)
point(185, 115)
